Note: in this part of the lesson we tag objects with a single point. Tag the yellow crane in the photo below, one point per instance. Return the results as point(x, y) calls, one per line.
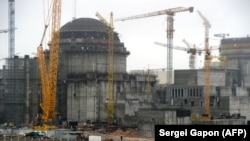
point(207, 61)
point(49, 74)
point(110, 99)
point(170, 30)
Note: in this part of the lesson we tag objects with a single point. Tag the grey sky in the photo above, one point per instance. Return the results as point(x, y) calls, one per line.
point(225, 16)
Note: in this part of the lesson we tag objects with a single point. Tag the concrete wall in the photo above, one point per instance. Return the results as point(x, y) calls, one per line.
point(246, 81)
point(217, 77)
point(83, 61)
point(232, 64)
point(225, 91)
point(223, 100)
point(197, 77)
point(21, 90)
point(241, 91)
point(148, 118)
point(240, 105)
point(1, 96)
point(86, 100)
point(222, 122)
point(185, 77)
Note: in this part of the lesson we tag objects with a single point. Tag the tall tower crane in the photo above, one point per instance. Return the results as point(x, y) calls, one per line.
point(192, 52)
point(49, 78)
point(11, 16)
point(207, 61)
point(170, 29)
point(110, 100)
point(192, 56)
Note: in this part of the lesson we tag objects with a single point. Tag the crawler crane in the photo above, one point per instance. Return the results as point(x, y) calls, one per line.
point(49, 75)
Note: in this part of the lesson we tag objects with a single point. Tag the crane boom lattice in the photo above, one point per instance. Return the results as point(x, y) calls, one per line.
point(170, 29)
point(207, 61)
point(11, 29)
point(110, 99)
point(49, 74)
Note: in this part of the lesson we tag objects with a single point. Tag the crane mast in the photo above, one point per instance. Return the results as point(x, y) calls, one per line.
point(170, 29)
point(192, 56)
point(49, 74)
point(11, 29)
point(110, 99)
point(207, 61)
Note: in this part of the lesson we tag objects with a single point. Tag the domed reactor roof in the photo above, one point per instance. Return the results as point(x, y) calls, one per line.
point(85, 28)
point(84, 42)
point(84, 24)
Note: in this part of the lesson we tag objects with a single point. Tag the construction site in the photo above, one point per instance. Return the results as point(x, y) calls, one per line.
point(81, 86)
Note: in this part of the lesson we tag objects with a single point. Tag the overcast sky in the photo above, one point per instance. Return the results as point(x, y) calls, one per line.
point(225, 16)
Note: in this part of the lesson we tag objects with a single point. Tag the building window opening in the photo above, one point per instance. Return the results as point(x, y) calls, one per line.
point(185, 101)
point(192, 103)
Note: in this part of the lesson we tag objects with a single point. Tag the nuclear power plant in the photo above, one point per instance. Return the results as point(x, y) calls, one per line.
point(81, 83)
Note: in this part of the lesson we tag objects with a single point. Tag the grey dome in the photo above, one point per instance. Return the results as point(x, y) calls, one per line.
point(85, 28)
point(84, 24)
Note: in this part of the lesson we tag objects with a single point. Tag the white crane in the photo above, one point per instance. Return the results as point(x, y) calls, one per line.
point(11, 23)
point(192, 57)
point(170, 30)
point(192, 50)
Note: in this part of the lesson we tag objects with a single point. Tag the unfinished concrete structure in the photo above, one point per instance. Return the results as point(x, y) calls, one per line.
point(229, 86)
point(84, 73)
point(139, 100)
point(82, 79)
point(21, 90)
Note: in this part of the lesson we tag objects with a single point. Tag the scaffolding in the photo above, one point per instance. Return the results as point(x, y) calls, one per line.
point(20, 77)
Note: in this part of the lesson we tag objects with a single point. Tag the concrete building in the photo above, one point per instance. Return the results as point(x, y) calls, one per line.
point(84, 68)
point(141, 99)
point(82, 79)
point(84, 73)
point(21, 90)
point(1, 96)
point(229, 86)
